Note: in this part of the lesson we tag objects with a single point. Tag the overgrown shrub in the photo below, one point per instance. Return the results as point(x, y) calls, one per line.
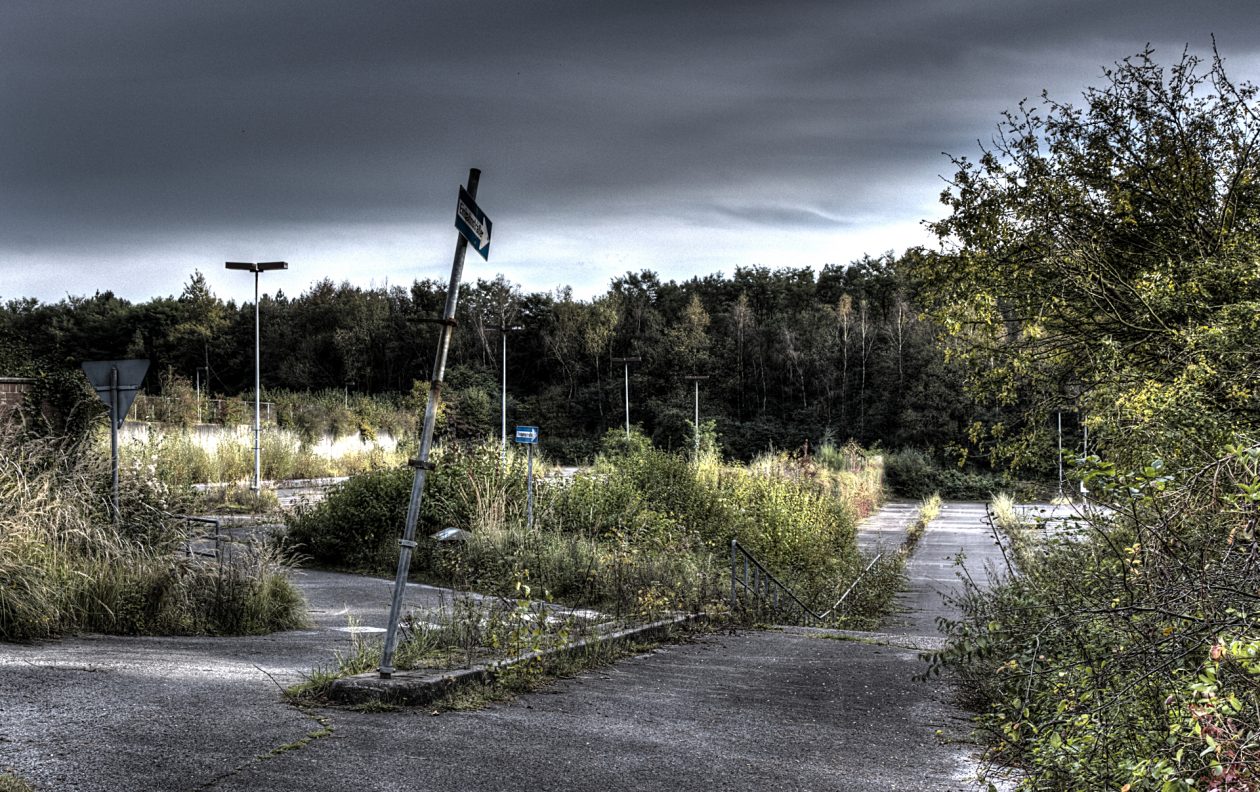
point(358, 523)
point(911, 473)
point(642, 529)
point(66, 567)
point(1125, 653)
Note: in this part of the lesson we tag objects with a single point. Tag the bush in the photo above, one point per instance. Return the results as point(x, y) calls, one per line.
point(66, 567)
point(643, 529)
point(358, 523)
point(913, 474)
point(1126, 653)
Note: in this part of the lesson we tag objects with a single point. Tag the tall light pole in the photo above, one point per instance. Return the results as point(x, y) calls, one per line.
point(696, 379)
point(504, 329)
point(1059, 418)
point(199, 370)
point(256, 268)
point(626, 361)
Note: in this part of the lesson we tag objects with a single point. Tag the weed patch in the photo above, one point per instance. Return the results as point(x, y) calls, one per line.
point(1124, 652)
point(67, 567)
point(12, 783)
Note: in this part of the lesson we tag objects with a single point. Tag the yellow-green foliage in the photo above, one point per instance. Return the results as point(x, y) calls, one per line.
point(1125, 652)
point(642, 530)
point(11, 783)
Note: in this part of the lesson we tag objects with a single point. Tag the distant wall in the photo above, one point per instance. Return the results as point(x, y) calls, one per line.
point(211, 436)
point(12, 391)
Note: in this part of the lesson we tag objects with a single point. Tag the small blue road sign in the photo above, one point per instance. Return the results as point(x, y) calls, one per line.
point(527, 434)
point(473, 223)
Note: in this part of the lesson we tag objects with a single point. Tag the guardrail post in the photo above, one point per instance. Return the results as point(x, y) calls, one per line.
point(745, 571)
point(734, 546)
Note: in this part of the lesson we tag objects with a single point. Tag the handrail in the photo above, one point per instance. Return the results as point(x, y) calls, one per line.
point(761, 578)
point(755, 586)
point(852, 585)
point(207, 521)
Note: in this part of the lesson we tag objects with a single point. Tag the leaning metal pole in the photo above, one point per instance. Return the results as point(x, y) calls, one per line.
point(421, 462)
point(503, 412)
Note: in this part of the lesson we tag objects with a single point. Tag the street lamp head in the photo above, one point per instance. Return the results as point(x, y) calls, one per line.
point(250, 266)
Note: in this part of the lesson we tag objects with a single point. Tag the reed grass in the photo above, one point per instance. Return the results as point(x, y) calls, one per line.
point(66, 567)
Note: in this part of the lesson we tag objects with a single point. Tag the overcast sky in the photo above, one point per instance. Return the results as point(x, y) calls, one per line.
point(142, 140)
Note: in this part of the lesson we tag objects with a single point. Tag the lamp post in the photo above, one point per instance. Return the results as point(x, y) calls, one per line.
point(199, 370)
point(256, 268)
point(504, 329)
point(696, 379)
point(626, 361)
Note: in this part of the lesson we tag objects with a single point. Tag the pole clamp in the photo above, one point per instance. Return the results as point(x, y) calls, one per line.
point(421, 464)
point(410, 544)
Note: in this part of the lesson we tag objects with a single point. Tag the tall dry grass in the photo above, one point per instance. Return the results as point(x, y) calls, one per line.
point(65, 567)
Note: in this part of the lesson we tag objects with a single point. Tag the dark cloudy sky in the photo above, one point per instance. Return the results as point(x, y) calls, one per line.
point(142, 140)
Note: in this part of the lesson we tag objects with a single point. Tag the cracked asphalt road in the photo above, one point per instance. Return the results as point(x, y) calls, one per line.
point(752, 711)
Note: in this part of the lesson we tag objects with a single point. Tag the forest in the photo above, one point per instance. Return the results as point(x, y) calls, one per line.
point(793, 358)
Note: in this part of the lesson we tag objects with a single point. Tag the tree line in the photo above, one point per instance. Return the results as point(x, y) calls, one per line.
point(792, 356)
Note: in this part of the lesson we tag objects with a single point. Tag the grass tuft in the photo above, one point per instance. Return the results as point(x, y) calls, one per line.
point(67, 567)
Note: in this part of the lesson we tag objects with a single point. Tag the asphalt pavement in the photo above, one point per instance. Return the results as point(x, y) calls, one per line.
point(799, 710)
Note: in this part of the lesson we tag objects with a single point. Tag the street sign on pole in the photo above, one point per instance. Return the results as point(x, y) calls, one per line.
point(116, 382)
point(421, 463)
point(528, 436)
point(130, 375)
point(473, 223)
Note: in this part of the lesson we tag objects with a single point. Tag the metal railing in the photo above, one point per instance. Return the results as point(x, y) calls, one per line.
point(761, 590)
point(753, 587)
point(189, 538)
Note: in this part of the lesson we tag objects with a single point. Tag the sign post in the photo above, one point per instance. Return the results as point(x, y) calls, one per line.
point(478, 233)
point(528, 436)
point(116, 382)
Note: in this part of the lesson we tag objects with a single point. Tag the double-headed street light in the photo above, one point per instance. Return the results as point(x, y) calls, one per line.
point(256, 268)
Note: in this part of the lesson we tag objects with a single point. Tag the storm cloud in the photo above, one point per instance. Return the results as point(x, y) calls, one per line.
point(142, 140)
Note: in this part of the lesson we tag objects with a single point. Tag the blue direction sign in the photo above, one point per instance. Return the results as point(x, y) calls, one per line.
point(473, 223)
point(527, 434)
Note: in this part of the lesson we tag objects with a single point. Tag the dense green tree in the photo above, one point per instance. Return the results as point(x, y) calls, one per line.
point(1103, 257)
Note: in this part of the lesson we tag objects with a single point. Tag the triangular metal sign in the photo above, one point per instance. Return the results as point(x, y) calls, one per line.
point(130, 374)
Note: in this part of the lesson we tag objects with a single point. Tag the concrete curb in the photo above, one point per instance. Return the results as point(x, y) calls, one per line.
point(417, 688)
